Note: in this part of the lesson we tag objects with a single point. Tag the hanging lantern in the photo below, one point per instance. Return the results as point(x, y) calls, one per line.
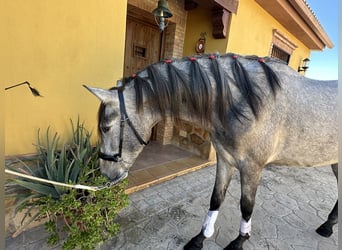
point(161, 14)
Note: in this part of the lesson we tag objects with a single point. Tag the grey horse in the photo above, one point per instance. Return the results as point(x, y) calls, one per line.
point(259, 113)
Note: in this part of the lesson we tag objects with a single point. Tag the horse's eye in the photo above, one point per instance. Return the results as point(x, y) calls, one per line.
point(105, 129)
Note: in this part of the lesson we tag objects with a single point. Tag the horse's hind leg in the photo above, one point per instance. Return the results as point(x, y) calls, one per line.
point(326, 229)
point(223, 177)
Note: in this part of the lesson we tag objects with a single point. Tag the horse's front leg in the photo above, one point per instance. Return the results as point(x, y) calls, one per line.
point(250, 178)
point(223, 177)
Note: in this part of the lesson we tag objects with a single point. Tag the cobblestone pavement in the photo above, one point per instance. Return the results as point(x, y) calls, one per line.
point(291, 203)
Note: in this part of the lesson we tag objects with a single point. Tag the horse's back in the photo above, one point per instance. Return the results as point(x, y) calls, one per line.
point(309, 127)
point(312, 101)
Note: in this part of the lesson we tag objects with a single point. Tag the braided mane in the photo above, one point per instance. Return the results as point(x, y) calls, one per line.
point(169, 88)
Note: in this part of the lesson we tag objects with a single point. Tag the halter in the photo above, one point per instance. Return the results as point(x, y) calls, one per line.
point(124, 119)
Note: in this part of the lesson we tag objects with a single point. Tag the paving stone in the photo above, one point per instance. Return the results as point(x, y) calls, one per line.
point(286, 201)
point(142, 205)
point(265, 228)
point(211, 245)
point(298, 237)
point(36, 234)
point(153, 192)
point(135, 197)
point(308, 218)
point(274, 208)
point(300, 247)
point(40, 244)
point(135, 235)
point(155, 199)
point(274, 244)
point(328, 243)
point(15, 243)
point(295, 221)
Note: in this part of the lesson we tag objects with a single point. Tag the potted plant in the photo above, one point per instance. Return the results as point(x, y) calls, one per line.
point(86, 217)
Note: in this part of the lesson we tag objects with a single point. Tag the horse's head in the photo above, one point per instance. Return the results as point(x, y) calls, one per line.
point(122, 132)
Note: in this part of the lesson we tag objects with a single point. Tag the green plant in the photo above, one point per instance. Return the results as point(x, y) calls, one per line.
point(87, 217)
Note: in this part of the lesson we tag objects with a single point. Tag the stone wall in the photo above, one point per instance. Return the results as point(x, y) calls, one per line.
point(175, 32)
point(192, 138)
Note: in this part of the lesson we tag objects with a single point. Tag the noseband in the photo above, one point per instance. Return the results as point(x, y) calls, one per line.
point(123, 121)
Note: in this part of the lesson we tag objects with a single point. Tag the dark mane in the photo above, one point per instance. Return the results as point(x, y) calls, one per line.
point(176, 89)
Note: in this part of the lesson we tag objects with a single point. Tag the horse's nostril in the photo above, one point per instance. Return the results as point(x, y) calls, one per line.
point(106, 174)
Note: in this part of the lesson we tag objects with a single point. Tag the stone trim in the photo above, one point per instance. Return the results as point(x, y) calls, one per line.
point(165, 131)
point(282, 42)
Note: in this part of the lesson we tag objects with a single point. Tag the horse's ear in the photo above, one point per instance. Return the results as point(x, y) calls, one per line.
point(104, 95)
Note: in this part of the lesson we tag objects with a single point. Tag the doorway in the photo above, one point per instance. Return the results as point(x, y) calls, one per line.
point(145, 45)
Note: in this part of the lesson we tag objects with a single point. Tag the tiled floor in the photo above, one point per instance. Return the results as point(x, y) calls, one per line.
point(155, 154)
point(158, 163)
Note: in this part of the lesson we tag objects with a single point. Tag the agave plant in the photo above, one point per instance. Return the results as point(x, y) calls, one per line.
point(61, 163)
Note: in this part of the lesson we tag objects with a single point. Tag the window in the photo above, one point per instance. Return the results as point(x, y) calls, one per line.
point(280, 54)
point(139, 51)
point(281, 46)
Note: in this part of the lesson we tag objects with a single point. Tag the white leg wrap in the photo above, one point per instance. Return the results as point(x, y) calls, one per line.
point(245, 227)
point(209, 223)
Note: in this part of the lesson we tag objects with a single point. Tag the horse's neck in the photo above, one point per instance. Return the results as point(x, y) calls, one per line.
point(147, 113)
point(192, 115)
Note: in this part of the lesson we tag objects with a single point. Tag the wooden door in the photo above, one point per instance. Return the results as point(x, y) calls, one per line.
point(143, 45)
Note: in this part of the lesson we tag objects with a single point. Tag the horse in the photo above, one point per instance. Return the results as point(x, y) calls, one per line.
point(258, 110)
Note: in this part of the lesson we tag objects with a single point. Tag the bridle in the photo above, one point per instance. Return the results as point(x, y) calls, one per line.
point(124, 119)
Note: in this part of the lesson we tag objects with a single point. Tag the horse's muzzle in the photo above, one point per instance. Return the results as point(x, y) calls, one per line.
point(117, 180)
point(114, 171)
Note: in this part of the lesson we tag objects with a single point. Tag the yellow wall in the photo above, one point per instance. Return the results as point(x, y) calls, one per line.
point(199, 21)
point(57, 46)
point(250, 33)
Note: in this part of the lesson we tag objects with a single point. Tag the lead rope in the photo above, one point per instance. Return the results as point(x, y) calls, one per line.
point(77, 186)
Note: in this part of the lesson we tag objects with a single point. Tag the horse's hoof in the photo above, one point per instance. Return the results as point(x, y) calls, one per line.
point(196, 243)
point(191, 245)
point(233, 246)
point(237, 243)
point(324, 230)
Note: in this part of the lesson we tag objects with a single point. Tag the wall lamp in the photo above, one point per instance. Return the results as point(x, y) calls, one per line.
point(161, 13)
point(305, 66)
